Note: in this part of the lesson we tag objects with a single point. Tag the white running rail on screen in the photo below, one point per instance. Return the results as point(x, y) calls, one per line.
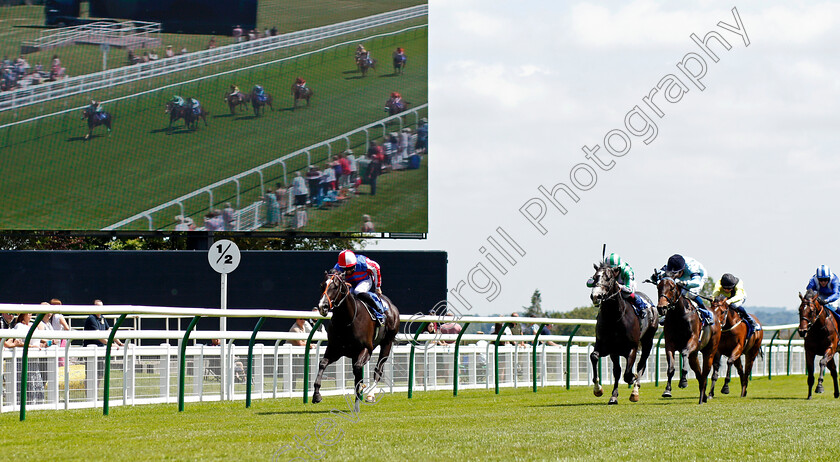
point(91, 82)
point(208, 190)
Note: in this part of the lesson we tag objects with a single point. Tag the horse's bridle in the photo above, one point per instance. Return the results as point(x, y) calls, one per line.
point(816, 315)
point(341, 281)
point(671, 303)
point(614, 282)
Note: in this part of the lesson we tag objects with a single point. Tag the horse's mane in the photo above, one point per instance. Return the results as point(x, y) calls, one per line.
point(720, 298)
point(811, 293)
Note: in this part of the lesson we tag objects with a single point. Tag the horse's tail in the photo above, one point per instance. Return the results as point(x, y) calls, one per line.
point(761, 352)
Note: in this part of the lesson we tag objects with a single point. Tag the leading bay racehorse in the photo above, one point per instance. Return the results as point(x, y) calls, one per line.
point(352, 333)
point(684, 333)
point(619, 332)
point(819, 329)
point(734, 344)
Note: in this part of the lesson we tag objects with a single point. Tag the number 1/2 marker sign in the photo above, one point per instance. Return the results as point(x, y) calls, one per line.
point(223, 256)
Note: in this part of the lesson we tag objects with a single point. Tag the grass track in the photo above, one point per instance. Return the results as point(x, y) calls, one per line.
point(774, 423)
point(54, 180)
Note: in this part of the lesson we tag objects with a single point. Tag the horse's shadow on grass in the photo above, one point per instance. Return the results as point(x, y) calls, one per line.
point(355, 77)
point(82, 138)
point(354, 71)
point(159, 130)
point(226, 116)
point(245, 117)
point(393, 74)
point(325, 411)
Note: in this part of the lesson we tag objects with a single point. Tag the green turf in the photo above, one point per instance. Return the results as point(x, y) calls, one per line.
point(774, 423)
point(56, 180)
point(21, 23)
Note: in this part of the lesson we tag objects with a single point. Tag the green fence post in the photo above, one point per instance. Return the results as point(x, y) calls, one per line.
point(411, 359)
point(251, 361)
point(24, 368)
point(496, 354)
point(770, 356)
point(456, 361)
point(184, 363)
point(534, 345)
point(788, 355)
point(306, 360)
point(658, 344)
point(569, 357)
point(106, 393)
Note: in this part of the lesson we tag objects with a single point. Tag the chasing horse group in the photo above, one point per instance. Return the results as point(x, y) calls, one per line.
point(627, 323)
point(191, 111)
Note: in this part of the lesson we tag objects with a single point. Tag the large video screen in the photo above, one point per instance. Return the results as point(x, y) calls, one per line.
point(315, 122)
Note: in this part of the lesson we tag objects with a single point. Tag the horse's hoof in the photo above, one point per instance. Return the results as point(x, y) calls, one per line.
point(316, 398)
point(836, 394)
point(613, 401)
point(683, 383)
point(819, 389)
point(725, 390)
point(634, 397)
point(666, 394)
point(598, 391)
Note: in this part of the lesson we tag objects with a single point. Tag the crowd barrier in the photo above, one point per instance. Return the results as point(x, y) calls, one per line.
point(74, 376)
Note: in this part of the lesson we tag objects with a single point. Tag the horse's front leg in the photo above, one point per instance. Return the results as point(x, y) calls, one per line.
point(616, 360)
point(715, 374)
point(684, 368)
point(322, 366)
point(694, 362)
point(669, 357)
point(743, 375)
point(809, 369)
point(597, 390)
point(725, 388)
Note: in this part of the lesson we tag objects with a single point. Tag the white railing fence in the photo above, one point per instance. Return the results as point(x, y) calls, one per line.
point(105, 79)
point(71, 376)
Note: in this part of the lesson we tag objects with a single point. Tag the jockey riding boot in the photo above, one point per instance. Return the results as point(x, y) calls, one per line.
point(639, 305)
point(369, 300)
point(704, 312)
point(746, 317)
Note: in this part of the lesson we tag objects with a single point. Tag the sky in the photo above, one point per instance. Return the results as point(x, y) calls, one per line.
point(733, 166)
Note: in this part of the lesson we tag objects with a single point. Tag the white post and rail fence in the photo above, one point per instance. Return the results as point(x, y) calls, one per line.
point(162, 373)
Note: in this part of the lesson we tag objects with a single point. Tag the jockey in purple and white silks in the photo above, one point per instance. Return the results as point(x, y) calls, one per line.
point(827, 285)
point(363, 274)
point(690, 276)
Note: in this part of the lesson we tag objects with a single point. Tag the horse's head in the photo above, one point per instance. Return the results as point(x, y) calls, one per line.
point(721, 308)
point(668, 294)
point(809, 311)
point(604, 281)
point(335, 290)
point(169, 106)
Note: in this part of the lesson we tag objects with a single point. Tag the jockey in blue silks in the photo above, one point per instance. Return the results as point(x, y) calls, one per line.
point(827, 286)
point(690, 276)
point(259, 92)
point(363, 274)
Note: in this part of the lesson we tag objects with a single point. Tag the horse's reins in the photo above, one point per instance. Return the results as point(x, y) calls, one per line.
point(733, 325)
point(817, 315)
